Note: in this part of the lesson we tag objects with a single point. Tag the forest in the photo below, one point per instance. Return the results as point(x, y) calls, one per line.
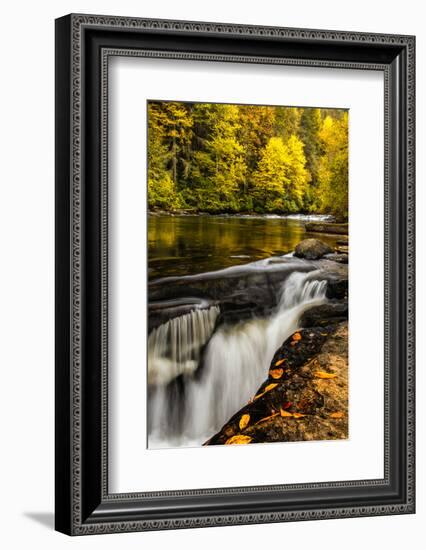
point(228, 158)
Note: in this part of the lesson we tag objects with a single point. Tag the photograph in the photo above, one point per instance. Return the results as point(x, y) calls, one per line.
point(248, 257)
point(234, 260)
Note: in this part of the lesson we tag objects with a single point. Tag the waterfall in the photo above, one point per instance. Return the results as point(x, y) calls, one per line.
point(174, 347)
point(235, 363)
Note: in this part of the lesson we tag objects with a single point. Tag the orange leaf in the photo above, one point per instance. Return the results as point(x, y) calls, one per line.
point(238, 440)
point(276, 373)
point(285, 413)
point(280, 362)
point(297, 336)
point(325, 375)
point(268, 388)
point(337, 415)
point(244, 420)
point(266, 418)
point(298, 415)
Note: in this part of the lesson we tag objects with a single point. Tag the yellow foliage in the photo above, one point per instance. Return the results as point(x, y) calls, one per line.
point(268, 388)
point(276, 373)
point(238, 440)
point(325, 375)
point(337, 415)
point(244, 420)
point(267, 418)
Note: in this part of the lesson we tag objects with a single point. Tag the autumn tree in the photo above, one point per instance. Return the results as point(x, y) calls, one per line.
point(281, 176)
point(161, 188)
point(333, 167)
point(239, 158)
point(219, 167)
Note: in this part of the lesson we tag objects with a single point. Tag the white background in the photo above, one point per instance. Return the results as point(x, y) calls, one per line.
point(26, 218)
point(132, 466)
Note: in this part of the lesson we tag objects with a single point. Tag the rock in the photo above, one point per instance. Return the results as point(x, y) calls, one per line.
point(239, 292)
point(342, 249)
point(307, 401)
point(324, 315)
point(231, 312)
point(324, 227)
point(312, 249)
point(337, 289)
point(336, 257)
point(242, 288)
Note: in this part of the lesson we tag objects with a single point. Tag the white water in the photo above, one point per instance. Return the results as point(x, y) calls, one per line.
point(236, 362)
point(174, 347)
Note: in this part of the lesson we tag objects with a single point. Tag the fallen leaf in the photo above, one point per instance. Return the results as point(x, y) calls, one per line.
point(297, 336)
point(244, 420)
point(238, 440)
point(266, 418)
point(280, 362)
point(268, 388)
point(285, 413)
point(311, 362)
point(337, 415)
point(322, 374)
point(276, 373)
point(298, 415)
point(287, 405)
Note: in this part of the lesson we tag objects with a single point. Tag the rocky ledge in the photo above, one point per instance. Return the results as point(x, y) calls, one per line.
point(324, 227)
point(305, 396)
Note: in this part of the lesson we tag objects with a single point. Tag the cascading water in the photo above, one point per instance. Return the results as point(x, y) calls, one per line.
point(235, 362)
point(174, 347)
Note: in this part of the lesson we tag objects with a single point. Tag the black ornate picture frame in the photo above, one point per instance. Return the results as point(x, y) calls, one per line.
point(84, 43)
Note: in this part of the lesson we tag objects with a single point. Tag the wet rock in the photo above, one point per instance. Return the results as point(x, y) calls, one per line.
point(312, 249)
point(324, 315)
point(308, 400)
point(242, 289)
point(240, 292)
point(232, 312)
point(337, 288)
point(336, 257)
point(324, 227)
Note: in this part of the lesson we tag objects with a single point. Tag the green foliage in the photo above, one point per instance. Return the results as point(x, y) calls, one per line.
point(239, 158)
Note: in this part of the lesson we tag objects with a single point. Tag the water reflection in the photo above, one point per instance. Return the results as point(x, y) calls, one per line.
point(185, 245)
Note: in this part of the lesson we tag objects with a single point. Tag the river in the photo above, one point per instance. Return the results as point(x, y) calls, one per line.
point(200, 372)
point(186, 245)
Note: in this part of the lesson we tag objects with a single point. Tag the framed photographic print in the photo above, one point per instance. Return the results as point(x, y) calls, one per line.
point(234, 274)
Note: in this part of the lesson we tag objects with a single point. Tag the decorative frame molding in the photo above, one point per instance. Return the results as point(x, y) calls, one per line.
point(84, 44)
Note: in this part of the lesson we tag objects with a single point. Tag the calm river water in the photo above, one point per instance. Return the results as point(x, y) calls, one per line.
point(185, 245)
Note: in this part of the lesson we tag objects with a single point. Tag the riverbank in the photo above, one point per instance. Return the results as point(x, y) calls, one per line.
point(305, 216)
point(304, 397)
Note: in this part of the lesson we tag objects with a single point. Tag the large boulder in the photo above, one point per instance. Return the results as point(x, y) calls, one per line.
point(312, 249)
